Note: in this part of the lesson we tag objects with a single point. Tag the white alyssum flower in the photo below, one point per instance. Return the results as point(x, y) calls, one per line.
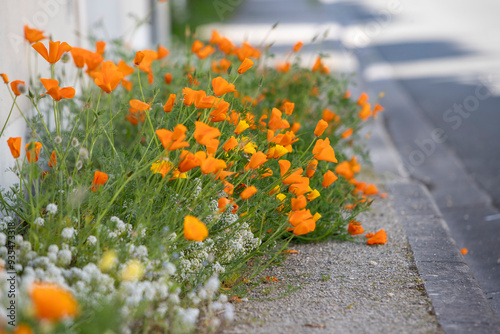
point(92, 240)
point(190, 315)
point(18, 239)
point(39, 221)
point(52, 208)
point(212, 284)
point(53, 249)
point(68, 232)
point(64, 257)
point(3, 239)
point(229, 312)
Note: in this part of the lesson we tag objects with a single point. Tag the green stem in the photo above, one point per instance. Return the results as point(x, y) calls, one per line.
point(8, 117)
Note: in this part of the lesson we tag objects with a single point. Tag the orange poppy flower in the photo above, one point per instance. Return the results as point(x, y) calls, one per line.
point(363, 98)
point(376, 109)
point(275, 121)
point(295, 127)
point(16, 87)
point(139, 105)
point(355, 228)
point(33, 35)
point(301, 187)
point(328, 179)
point(347, 133)
point(284, 166)
point(173, 140)
point(464, 251)
point(344, 169)
point(205, 134)
point(365, 112)
point(100, 47)
point(323, 151)
point(170, 103)
point(288, 107)
point(125, 68)
point(211, 164)
point(369, 235)
point(311, 168)
point(53, 159)
point(299, 203)
point(189, 161)
point(347, 94)
point(108, 77)
point(221, 66)
point(162, 52)
point(205, 52)
point(317, 64)
point(221, 86)
point(297, 217)
point(33, 151)
point(297, 46)
point(99, 179)
point(230, 144)
point(196, 46)
point(168, 78)
point(79, 56)
point(215, 38)
point(226, 46)
point(56, 50)
point(294, 177)
point(247, 51)
point(371, 189)
point(283, 67)
point(328, 115)
point(228, 188)
point(257, 159)
point(222, 203)
point(5, 78)
point(139, 56)
point(245, 66)
point(242, 126)
point(51, 302)
point(194, 230)
point(15, 146)
point(379, 237)
point(248, 192)
point(52, 87)
point(93, 61)
point(320, 128)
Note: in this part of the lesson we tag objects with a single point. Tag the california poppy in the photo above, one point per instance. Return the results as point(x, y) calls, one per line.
point(196, 46)
point(355, 228)
point(328, 179)
point(53, 159)
point(205, 134)
point(100, 47)
point(288, 107)
point(313, 195)
point(221, 86)
point(5, 78)
point(299, 203)
point(257, 159)
point(168, 78)
point(222, 203)
point(311, 168)
point(275, 121)
point(170, 103)
point(379, 237)
point(205, 52)
point(139, 56)
point(99, 179)
point(345, 170)
point(16, 87)
point(56, 50)
point(230, 144)
point(320, 128)
point(323, 151)
point(52, 302)
point(173, 140)
point(297, 46)
point(245, 66)
point(108, 77)
point(211, 165)
point(33, 35)
point(242, 126)
point(248, 192)
point(194, 230)
point(15, 146)
point(365, 112)
point(33, 151)
point(189, 161)
point(363, 98)
point(57, 93)
point(347, 133)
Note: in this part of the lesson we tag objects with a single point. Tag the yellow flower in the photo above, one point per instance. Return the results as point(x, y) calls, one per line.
point(313, 194)
point(250, 148)
point(108, 260)
point(133, 271)
point(281, 197)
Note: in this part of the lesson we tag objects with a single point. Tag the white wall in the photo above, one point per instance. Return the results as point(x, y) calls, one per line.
point(69, 21)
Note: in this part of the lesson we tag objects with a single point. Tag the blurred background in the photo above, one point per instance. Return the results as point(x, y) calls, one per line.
point(438, 63)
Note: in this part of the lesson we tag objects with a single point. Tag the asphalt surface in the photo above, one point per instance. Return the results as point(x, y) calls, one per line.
point(439, 64)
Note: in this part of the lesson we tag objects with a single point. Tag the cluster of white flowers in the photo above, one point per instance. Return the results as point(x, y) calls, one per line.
point(52, 208)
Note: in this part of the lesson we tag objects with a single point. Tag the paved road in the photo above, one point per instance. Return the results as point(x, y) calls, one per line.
point(440, 64)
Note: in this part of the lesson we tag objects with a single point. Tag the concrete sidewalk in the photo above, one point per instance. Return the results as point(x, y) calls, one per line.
point(418, 281)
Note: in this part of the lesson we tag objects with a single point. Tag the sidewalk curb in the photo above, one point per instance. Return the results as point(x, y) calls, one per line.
point(459, 303)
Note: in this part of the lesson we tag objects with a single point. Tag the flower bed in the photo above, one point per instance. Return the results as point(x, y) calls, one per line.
point(155, 187)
